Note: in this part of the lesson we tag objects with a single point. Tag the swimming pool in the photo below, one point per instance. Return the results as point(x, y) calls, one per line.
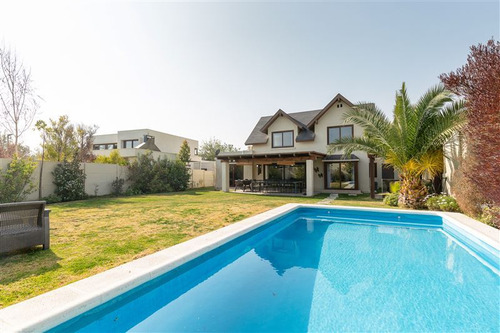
point(320, 269)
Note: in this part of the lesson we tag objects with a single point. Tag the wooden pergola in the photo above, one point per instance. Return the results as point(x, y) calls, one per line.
point(285, 158)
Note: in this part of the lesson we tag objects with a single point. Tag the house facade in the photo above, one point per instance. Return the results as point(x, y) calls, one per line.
point(134, 142)
point(295, 147)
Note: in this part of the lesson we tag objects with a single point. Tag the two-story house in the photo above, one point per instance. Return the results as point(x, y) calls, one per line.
point(294, 147)
point(131, 143)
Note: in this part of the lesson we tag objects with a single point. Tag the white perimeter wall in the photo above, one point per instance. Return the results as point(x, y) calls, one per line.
point(100, 177)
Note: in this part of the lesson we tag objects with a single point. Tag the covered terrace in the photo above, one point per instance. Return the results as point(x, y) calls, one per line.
point(266, 167)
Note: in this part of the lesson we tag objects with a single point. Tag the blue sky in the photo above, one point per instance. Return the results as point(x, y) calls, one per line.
point(206, 70)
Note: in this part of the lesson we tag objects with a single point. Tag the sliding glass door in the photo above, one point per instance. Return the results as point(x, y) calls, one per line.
point(341, 176)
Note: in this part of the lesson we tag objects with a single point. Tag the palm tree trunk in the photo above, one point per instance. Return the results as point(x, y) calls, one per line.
point(413, 191)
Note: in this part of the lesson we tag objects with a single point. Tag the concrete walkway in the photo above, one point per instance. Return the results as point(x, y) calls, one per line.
point(329, 199)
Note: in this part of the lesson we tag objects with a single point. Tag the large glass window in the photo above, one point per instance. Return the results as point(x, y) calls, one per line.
point(282, 139)
point(130, 143)
point(104, 146)
point(337, 132)
point(341, 176)
point(295, 172)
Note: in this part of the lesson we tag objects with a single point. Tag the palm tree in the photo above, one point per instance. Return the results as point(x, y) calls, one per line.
point(413, 141)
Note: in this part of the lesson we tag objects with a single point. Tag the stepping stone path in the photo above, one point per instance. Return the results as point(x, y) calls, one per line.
point(327, 200)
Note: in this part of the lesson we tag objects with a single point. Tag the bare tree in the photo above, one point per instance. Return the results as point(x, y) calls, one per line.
point(85, 139)
point(18, 101)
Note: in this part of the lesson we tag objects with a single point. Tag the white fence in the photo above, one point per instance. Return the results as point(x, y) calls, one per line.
point(100, 177)
point(202, 178)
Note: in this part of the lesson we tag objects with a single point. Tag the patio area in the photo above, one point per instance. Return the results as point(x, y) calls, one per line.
point(278, 173)
point(285, 187)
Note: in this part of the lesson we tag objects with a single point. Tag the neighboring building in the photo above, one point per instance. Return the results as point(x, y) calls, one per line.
point(133, 142)
point(294, 147)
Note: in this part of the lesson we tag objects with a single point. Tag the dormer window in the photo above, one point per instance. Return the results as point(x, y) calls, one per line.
point(337, 132)
point(282, 139)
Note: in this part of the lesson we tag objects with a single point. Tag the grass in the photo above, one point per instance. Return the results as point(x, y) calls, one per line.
point(362, 200)
point(88, 237)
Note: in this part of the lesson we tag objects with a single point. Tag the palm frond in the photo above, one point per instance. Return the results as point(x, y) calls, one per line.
point(432, 162)
point(374, 122)
point(348, 146)
point(442, 126)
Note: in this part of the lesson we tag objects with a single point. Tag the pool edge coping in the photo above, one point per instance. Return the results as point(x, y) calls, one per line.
point(54, 307)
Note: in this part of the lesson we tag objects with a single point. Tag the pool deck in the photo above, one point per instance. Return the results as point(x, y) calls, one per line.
point(48, 310)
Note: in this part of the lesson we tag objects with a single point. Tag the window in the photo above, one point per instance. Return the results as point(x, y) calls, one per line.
point(341, 175)
point(337, 132)
point(105, 146)
point(196, 151)
point(387, 171)
point(282, 139)
point(130, 143)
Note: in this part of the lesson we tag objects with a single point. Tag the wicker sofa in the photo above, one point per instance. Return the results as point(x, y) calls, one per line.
point(23, 225)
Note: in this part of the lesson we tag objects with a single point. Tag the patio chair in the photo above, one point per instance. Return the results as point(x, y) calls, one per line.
point(256, 186)
point(238, 183)
point(23, 225)
point(247, 184)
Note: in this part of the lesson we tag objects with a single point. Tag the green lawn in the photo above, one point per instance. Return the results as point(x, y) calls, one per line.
point(88, 237)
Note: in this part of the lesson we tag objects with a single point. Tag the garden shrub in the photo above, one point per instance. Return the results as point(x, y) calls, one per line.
point(70, 181)
point(148, 175)
point(392, 199)
point(394, 187)
point(16, 182)
point(117, 186)
point(141, 174)
point(491, 216)
point(113, 158)
point(442, 202)
point(53, 198)
point(178, 176)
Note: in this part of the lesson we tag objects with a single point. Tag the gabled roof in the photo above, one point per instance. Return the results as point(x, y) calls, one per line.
point(305, 120)
point(260, 137)
point(281, 113)
point(336, 99)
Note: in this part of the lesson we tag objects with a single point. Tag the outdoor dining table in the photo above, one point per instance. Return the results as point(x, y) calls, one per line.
point(279, 185)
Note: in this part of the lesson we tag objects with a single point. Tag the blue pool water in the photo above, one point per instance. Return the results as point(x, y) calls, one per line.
point(321, 271)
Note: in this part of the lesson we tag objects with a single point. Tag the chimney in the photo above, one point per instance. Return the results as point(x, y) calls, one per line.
point(149, 137)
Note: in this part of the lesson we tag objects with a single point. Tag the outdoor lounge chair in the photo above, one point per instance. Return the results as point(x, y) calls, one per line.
point(23, 225)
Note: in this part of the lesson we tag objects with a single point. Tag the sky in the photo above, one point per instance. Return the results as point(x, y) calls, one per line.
point(203, 69)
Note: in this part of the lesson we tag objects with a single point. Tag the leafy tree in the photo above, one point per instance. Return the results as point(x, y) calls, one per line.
point(185, 152)
point(60, 142)
point(69, 180)
point(65, 141)
point(479, 82)
point(16, 182)
point(18, 100)
point(209, 148)
point(412, 142)
point(113, 158)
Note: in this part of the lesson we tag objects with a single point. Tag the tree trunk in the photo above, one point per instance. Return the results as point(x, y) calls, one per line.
point(413, 191)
